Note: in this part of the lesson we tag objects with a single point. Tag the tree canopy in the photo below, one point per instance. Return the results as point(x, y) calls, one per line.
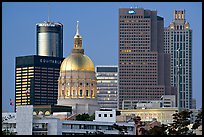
point(85, 117)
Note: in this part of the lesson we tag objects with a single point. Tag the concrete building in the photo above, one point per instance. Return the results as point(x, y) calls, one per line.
point(9, 122)
point(23, 122)
point(193, 103)
point(77, 80)
point(107, 86)
point(165, 101)
point(178, 43)
point(36, 80)
point(162, 115)
point(105, 116)
point(49, 39)
point(168, 101)
point(144, 69)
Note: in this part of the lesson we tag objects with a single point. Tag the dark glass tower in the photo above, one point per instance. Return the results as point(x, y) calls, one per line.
point(49, 39)
point(36, 80)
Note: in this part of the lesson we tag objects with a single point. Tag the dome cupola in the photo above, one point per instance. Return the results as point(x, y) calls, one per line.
point(77, 60)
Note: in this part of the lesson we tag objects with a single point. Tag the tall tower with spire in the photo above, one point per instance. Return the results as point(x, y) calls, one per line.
point(77, 80)
point(178, 42)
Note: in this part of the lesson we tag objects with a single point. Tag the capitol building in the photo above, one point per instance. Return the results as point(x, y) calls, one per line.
point(77, 80)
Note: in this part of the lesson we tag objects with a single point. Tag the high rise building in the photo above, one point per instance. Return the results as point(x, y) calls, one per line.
point(107, 86)
point(144, 72)
point(193, 103)
point(77, 80)
point(36, 80)
point(49, 39)
point(178, 42)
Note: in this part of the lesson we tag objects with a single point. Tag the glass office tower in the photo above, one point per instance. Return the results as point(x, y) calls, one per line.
point(178, 43)
point(144, 71)
point(36, 80)
point(107, 86)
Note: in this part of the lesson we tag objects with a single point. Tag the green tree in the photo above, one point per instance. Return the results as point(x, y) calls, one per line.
point(85, 117)
point(198, 121)
point(180, 123)
point(7, 132)
point(157, 130)
point(122, 129)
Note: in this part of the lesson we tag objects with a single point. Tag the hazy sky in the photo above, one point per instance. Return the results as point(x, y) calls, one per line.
point(98, 22)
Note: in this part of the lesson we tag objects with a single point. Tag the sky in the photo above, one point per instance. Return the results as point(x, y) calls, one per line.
point(98, 23)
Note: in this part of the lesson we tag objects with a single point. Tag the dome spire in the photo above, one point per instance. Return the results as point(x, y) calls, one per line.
point(77, 28)
point(77, 41)
point(77, 35)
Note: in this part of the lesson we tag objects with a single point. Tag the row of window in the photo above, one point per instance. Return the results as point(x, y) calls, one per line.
point(132, 17)
point(74, 93)
point(131, 23)
point(135, 33)
point(143, 20)
point(135, 27)
point(136, 38)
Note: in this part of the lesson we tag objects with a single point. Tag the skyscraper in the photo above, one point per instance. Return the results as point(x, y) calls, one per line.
point(144, 72)
point(36, 80)
point(178, 42)
point(107, 86)
point(49, 39)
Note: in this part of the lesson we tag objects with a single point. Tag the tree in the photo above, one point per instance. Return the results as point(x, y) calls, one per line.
point(122, 129)
point(157, 130)
point(198, 121)
point(7, 132)
point(180, 123)
point(85, 117)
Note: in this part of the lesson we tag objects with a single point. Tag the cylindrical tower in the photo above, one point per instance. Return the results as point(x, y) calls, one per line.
point(49, 39)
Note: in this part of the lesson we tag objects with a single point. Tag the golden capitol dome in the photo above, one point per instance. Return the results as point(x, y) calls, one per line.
point(77, 60)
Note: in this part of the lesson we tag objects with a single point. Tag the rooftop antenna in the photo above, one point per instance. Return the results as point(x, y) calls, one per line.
point(48, 12)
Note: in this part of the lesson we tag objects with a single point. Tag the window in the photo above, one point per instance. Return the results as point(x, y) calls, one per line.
point(99, 115)
point(91, 92)
point(105, 115)
point(87, 93)
point(80, 93)
point(111, 115)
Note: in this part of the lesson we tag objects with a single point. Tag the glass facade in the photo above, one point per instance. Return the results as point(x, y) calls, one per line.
point(178, 42)
point(49, 39)
point(36, 80)
point(141, 58)
point(107, 90)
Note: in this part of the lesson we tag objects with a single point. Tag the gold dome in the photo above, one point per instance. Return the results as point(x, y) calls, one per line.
point(77, 61)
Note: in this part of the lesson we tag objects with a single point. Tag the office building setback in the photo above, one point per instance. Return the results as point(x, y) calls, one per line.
point(142, 62)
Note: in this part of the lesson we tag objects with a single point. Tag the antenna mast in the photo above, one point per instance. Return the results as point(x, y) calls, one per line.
point(48, 12)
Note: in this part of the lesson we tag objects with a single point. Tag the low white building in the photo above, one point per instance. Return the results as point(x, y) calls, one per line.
point(23, 122)
point(104, 116)
point(9, 122)
point(167, 101)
